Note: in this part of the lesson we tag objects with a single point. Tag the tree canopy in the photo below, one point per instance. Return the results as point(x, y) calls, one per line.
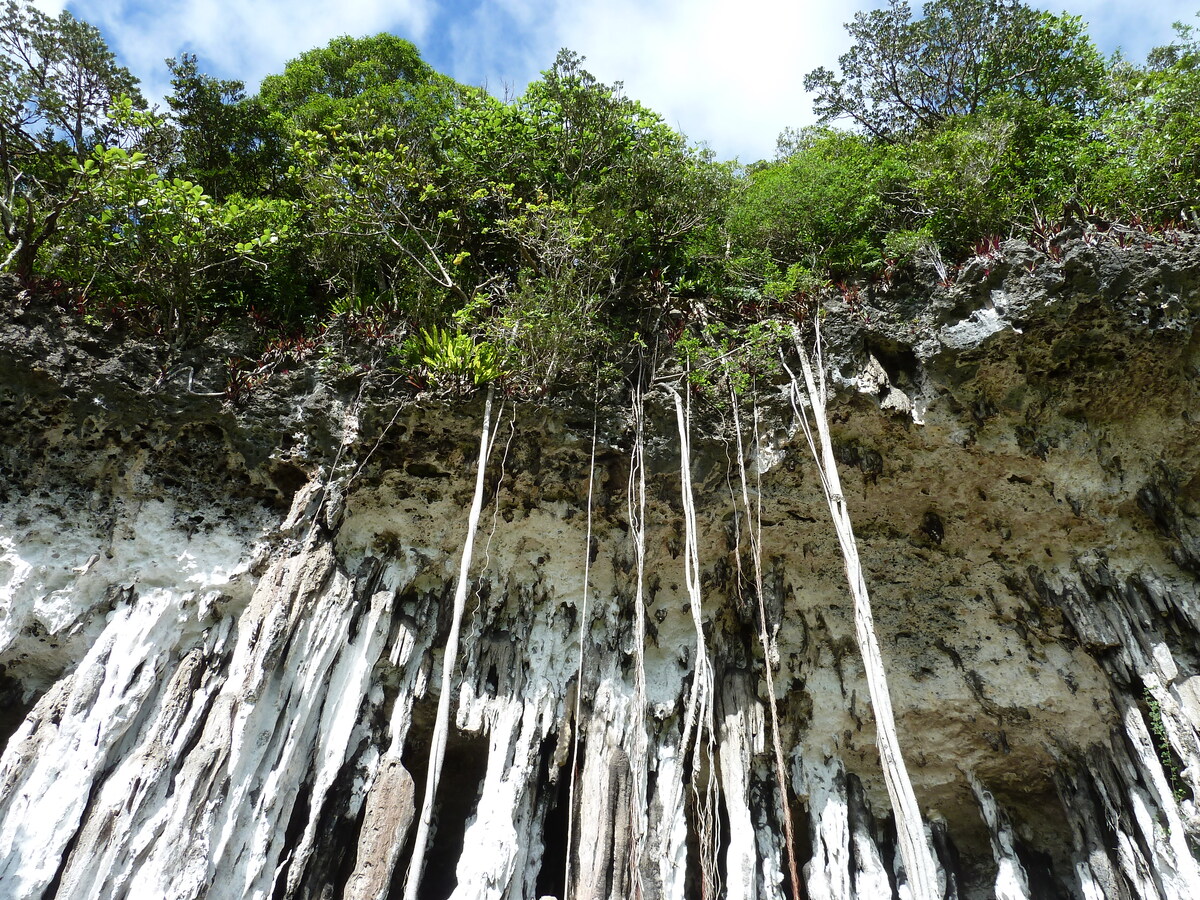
point(904, 74)
point(58, 80)
point(534, 236)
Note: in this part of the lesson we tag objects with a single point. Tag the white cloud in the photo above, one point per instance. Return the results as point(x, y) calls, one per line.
point(1132, 25)
point(238, 39)
point(727, 73)
point(730, 75)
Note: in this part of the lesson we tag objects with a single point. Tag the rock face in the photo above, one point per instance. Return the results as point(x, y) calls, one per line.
point(221, 626)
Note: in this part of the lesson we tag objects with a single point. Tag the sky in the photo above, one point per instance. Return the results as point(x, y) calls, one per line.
point(727, 73)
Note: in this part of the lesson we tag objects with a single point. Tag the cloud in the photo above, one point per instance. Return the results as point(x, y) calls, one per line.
point(1131, 25)
point(236, 39)
point(728, 74)
point(731, 74)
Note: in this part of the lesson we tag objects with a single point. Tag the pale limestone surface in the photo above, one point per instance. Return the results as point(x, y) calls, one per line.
point(221, 630)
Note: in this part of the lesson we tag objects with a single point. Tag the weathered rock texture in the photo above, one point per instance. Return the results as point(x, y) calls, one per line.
point(221, 626)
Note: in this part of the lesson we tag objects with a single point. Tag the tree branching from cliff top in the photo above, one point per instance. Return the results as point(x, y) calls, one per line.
point(903, 74)
point(58, 80)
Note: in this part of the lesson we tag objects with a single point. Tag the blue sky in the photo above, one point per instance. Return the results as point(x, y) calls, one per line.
point(728, 73)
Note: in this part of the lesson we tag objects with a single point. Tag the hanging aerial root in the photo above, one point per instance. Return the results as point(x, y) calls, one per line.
point(639, 775)
point(914, 846)
point(699, 715)
point(754, 522)
point(437, 748)
point(577, 719)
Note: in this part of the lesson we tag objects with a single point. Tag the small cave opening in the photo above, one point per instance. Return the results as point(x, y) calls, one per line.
point(887, 843)
point(14, 707)
point(287, 478)
point(898, 361)
point(1039, 868)
point(556, 828)
point(463, 771)
point(802, 838)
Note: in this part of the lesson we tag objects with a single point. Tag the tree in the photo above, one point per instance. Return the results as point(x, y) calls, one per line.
point(903, 75)
point(387, 223)
point(163, 242)
point(825, 205)
point(642, 189)
point(377, 80)
point(58, 79)
point(1146, 160)
point(226, 141)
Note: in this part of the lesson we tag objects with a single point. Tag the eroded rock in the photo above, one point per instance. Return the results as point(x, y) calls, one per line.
point(221, 627)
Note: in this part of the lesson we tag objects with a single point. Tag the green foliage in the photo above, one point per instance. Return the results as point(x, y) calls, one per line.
point(227, 142)
point(574, 150)
point(963, 181)
point(457, 361)
point(826, 204)
point(1163, 746)
point(386, 221)
point(905, 74)
point(543, 238)
point(58, 80)
point(163, 242)
point(1146, 161)
point(549, 334)
point(718, 357)
point(371, 81)
point(797, 280)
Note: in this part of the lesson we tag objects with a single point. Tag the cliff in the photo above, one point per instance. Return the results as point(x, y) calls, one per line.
point(222, 623)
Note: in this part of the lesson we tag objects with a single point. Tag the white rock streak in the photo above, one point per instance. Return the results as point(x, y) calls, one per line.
point(234, 711)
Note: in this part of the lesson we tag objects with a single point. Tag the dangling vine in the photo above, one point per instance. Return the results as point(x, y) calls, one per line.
point(700, 713)
point(437, 748)
point(918, 859)
point(636, 499)
point(583, 625)
point(754, 531)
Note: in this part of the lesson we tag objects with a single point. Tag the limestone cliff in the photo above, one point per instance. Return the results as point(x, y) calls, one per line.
point(221, 624)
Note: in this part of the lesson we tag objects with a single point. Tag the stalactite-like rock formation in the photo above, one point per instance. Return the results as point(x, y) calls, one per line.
point(222, 629)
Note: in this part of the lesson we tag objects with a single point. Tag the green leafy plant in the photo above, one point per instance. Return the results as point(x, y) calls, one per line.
point(718, 357)
point(1163, 744)
point(456, 360)
point(164, 241)
point(58, 80)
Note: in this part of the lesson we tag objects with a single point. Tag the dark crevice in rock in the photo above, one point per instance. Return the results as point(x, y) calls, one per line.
point(14, 706)
point(552, 874)
point(947, 856)
point(329, 866)
point(68, 850)
point(458, 795)
point(297, 822)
